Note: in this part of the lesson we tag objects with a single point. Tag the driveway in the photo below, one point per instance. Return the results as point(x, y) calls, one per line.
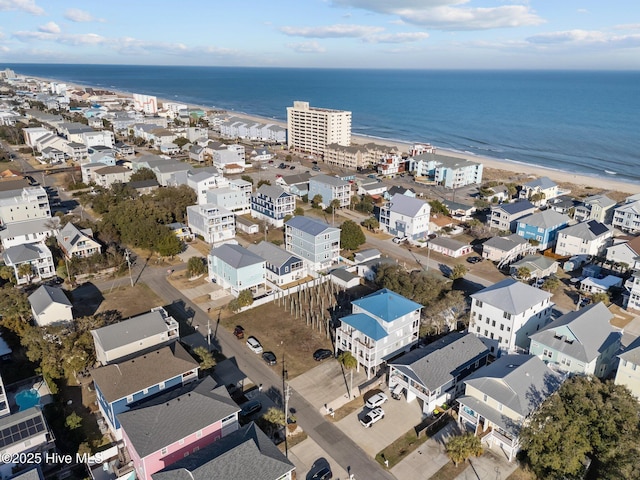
point(326, 385)
point(306, 453)
point(399, 418)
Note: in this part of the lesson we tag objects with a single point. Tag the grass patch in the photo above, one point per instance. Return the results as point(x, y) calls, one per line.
point(522, 474)
point(450, 471)
point(293, 441)
point(346, 410)
point(402, 447)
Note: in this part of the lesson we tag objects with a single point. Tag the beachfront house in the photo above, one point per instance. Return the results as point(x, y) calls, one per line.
point(120, 384)
point(582, 342)
point(504, 314)
point(160, 431)
point(498, 399)
point(506, 215)
point(434, 375)
point(595, 207)
point(541, 229)
point(448, 171)
point(406, 217)
point(272, 204)
point(539, 191)
point(50, 306)
point(215, 224)
point(316, 242)
point(626, 217)
point(235, 268)
point(134, 336)
point(585, 238)
point(330, 188)
point(381, 326)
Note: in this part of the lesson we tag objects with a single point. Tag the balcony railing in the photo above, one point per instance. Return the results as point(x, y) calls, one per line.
point(503, 438)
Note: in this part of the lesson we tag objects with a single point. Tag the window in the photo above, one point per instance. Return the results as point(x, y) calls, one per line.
point(478, 329)
point(478, 303)
point(486, 333)
point(164, 451)
point(502, 326)
point(479, 316)
point(493, 323)
point(506, 315)
point(130, 399)
point(547, 353)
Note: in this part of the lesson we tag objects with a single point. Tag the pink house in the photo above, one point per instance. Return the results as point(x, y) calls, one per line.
point(162, 430)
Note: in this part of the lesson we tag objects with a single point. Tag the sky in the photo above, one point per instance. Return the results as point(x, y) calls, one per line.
point(416, 34)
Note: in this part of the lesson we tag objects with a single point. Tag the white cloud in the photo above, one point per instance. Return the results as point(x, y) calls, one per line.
point(583, 11)
point(397, 37)
point(306, 47)
point(64, 39)
point(450, 14)
point(51, 27)
point(28, 6)
point(585, 38)
point(331, 31)
point(628, 26)
point(79, 16)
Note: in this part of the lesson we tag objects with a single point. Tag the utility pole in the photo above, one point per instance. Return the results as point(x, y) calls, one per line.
point(285, 397)
point(127, 255)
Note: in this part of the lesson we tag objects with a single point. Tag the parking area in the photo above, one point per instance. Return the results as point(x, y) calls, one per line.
point(399, 418)
point(325, 385)
point(306, 454)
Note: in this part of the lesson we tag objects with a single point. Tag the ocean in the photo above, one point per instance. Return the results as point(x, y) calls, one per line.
point(585, 122)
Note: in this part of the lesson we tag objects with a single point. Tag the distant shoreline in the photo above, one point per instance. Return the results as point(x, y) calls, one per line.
point(518, 168)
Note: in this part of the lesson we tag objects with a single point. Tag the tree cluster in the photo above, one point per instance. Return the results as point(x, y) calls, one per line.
point(351, 235)
point(586, 425)
point(140, 221)
point(461, 447)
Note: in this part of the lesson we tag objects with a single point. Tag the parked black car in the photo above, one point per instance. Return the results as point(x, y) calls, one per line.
point(249, 408)
point(322, 354)
point(269, 358)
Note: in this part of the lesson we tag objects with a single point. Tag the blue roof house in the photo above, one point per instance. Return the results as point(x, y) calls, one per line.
point(235, 268)
point(542, 227)
point(381, 326)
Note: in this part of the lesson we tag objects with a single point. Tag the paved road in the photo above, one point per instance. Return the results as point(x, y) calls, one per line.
point(340, 447)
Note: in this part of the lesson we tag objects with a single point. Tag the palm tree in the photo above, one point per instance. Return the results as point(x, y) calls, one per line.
point(462, 447)
point(523, 273)
point(25, 270)
point(349, 362)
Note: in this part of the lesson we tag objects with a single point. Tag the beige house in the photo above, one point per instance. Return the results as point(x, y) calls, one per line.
point(628, 373)
point(107, 176)
point(50, 306)
point(77, 243)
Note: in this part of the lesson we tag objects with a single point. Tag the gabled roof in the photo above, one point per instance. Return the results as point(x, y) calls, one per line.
point(111, 169)
point(543, 183)
point(132, 330)
point(632, 352)
point(329, 180)
point(519, 382)
point(121, 379)
point(545, 219)
point(296, 179)
point(272, 191)
point(535, 262)
point(515, 207)
point(587, 230)
point(398, 189)
point(45, 296)
point(25, 253)
point(387, 305)
point(70, 235)
point(450, 243)
point(405, 205)
point(511, 296)
point(310, 226)
point(38, 225)
point(167, 418)
point(272, 253)
point(442, 360)
point(582, 334)
point(246, 454)
point(602, 200)
point(507, 243)
point(236, 256)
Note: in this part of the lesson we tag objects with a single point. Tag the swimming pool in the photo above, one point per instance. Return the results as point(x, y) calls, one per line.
point(27, 399)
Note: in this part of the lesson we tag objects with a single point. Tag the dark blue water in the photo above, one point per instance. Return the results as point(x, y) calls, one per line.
point(584, 122)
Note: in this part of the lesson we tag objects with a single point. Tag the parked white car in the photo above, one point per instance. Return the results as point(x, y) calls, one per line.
point(254, 345)
point(372, 417)
point(376, 400)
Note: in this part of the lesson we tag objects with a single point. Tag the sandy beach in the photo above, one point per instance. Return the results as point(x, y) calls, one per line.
point(494, 168)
